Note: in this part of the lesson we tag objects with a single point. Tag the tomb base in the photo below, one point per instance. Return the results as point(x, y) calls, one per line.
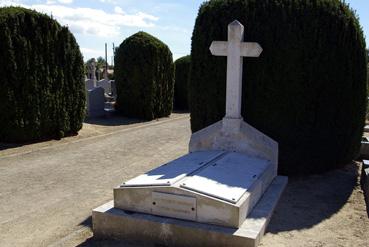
point(109, 222)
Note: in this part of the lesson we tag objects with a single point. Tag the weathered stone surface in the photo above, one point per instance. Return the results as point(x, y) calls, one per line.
point(247, 140)
point(109, 222)
point(90, 84)
point(96, 102)
point(226, 187)
point(105, 84)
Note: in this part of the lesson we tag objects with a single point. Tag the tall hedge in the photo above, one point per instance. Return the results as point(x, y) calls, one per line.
point(308, 88)
point(182, 73)
point(144, 75)
point(41, 77)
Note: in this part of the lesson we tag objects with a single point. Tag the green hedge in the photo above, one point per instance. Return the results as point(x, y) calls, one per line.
point(308, 88)
point(182, 72)
point(144, 75)
point(41, 78)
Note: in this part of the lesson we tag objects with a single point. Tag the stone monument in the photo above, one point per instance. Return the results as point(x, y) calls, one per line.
point(96, 102)
point(222, 193)
point(106, 84)
point(91, 68)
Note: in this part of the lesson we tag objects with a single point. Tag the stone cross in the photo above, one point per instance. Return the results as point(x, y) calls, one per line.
point(91, 66)
point(235, 49)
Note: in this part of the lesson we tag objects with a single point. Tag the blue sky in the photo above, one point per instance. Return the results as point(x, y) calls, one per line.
point(95, 22)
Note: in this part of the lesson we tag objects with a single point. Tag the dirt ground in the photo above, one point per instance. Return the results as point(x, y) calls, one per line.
point(47, 190)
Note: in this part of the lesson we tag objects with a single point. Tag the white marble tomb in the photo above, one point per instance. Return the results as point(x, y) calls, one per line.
point(219, 183)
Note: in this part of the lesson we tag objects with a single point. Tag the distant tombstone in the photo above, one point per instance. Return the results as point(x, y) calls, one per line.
point(113, 89)
point(91, 67)
point(105, 84)
point(89, 84)
point(96, 102)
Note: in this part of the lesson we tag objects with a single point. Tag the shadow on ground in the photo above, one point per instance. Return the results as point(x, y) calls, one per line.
point(92, 242)
point(113, 119)
point(5, 146)
point(308, 201)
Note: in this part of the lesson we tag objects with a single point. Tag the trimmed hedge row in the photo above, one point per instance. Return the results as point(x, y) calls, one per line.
point(182, 73)
point(308, 88)
point(144, 73)
point(41, 77)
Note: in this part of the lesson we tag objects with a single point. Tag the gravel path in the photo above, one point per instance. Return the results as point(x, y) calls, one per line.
point(48, 194)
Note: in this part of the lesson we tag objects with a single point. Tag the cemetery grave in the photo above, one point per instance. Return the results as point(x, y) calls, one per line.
point(226, 187)
point(222, 193)
point(101, 95)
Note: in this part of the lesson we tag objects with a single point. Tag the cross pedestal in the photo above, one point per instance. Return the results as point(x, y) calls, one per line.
point(222, 193)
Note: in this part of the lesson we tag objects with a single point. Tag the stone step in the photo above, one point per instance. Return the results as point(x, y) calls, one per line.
point(110, 222)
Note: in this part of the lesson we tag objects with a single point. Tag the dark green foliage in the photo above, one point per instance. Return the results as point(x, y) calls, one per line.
point(182, 72)
point(308, 88)
point(144, 74)
point(41, 78)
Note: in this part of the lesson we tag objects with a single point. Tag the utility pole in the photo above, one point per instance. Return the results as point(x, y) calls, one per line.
point(113, 55)
point(106, 61)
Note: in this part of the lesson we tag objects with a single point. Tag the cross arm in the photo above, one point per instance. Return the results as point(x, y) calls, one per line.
point(219, 48)
point(251, 49)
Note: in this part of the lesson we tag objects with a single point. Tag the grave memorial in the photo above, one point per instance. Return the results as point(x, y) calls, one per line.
point(222, 193)
point(96, 102)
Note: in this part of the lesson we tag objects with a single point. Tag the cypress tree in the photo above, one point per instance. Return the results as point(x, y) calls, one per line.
point(41, 70)
point(182, 73)
point(144, 75)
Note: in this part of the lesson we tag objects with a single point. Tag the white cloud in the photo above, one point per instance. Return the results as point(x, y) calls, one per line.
point(118, 10)
point(85, 50)
point(65, 1)
point(59, 1)
point(109, 1)
point(91, 21)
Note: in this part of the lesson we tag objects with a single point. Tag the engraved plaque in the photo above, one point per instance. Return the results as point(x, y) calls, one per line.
point(175, 206)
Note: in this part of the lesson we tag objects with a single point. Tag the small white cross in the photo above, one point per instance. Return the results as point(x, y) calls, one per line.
point(235, 49)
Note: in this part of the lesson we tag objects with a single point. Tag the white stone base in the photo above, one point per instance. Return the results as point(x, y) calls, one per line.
point(109, 222)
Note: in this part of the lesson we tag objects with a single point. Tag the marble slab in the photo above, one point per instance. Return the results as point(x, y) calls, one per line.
point(173, 171)
point(229, 178)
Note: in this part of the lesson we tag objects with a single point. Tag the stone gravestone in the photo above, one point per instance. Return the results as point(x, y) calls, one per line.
point(90, 84)
point(91, 68)
point(96, 102)
point(222, 193)
point(104, 83)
